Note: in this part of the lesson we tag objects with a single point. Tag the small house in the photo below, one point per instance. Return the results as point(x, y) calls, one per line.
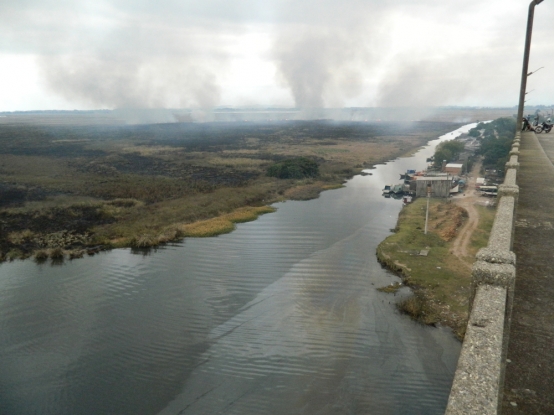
point(454, 169)
point(439, 186)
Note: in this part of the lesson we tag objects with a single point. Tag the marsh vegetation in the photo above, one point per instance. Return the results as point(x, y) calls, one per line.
point(78, 189)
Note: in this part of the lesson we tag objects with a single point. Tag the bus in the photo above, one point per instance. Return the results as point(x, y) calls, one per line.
point(489, 190)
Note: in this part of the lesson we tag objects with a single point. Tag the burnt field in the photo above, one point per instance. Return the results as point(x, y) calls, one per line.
point(116, 183)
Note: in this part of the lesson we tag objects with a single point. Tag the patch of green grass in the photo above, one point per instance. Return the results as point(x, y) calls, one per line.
point(440, 280)
point(480, 237)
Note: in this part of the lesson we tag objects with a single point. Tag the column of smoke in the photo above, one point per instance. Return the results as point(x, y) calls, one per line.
point(326, 64)
point(137, 68)
point(323, 52)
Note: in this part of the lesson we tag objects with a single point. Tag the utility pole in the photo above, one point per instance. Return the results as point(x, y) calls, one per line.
point(427, 213)
point(524, 73)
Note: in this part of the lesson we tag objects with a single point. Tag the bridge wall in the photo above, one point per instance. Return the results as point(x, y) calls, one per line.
point(479, 378)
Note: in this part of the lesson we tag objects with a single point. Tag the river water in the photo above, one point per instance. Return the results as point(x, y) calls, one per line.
point(281, 316)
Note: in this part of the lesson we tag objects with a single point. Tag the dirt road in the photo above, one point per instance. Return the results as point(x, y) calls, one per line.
point(467, 200)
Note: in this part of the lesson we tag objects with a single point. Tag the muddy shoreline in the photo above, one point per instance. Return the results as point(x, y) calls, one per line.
point(439, 280)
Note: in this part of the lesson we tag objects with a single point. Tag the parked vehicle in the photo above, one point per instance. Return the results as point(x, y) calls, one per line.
point(544, 126)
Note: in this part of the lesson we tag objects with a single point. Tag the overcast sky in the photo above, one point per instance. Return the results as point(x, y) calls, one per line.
point(88, 54)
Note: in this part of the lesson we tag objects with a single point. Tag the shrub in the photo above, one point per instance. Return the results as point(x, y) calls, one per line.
point(296, 168)
point(76, 253)
point(144, 241)
point(56, 253)
point(126, 203)
point(41, 255)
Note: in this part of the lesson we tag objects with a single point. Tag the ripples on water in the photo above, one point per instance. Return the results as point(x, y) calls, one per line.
point(279, 317)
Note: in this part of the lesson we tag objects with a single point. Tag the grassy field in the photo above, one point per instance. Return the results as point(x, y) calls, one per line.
point(88, 187)
point(439, 279)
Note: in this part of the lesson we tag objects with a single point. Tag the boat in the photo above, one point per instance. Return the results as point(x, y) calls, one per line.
point(408, 175)
point(398, 189)
point(387, 189)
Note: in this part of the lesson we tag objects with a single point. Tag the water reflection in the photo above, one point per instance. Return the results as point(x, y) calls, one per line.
point(279, 317)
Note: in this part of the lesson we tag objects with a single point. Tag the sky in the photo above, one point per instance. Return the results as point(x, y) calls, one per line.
point(107, 54)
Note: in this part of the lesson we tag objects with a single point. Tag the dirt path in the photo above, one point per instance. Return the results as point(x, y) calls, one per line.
point(467, 201)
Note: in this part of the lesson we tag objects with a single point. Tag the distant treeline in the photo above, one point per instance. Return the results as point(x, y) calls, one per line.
point(496, 141)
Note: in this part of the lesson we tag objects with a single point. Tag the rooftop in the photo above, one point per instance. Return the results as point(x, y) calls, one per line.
point(434, 178)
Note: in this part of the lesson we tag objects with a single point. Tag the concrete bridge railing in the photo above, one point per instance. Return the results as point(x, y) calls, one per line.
point(479, 378)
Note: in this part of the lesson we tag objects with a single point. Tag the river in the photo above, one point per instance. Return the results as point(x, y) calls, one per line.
point(281, 316)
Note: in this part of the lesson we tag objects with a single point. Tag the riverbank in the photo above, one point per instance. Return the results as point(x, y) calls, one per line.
point(66, 191)
point(285, 299)
point(427, 263)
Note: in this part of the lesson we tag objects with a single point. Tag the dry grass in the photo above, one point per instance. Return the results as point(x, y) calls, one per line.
point(248, 214)
point(149, 150)
point(350, 154)
point(225, 223)
point(446, 219)
point(150, 186)
point(56, 253)
point(210, 227)
point(20, 237)
point(304, 192)
point(238, 162)
point(391, 288)
point(41, 255)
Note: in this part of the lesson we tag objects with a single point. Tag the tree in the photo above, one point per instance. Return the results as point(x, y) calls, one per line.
point(449, 151)
point(474, 132)
point(296, 168)
point(497, 142)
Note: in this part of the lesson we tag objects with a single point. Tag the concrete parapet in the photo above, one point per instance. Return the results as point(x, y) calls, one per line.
point(509, 178)
point(501, 235)
point(494, 274)
point(479, 379)
point(494, 256)
point(477, 386)
point(512, 164)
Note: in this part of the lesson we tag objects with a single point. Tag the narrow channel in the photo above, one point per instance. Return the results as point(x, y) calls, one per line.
point(282, 316)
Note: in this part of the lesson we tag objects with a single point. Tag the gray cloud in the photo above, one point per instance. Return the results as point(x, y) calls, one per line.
point(322, 67)
point(325, 50)
point(488, 74)
point(131, 81)
point(175, 53)
point(151, 55)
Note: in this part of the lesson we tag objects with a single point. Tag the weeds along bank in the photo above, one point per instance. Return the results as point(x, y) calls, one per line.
point(66, 191)
point(440, 281)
